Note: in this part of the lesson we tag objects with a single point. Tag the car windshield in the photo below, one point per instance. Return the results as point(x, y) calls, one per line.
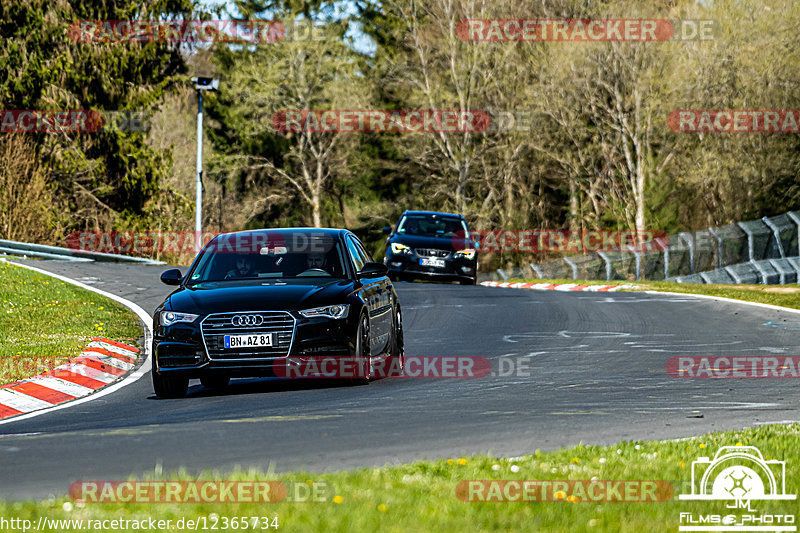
point(256, 255)
point(432, 226)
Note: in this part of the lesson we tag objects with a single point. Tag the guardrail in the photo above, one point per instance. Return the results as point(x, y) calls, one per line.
point(756, 251)
point(44, 251)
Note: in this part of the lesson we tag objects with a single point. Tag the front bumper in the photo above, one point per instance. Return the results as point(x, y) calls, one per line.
point(186, 350)
point(408, 266)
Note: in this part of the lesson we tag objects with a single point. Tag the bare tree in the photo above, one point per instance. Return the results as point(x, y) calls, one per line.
point(298, 75)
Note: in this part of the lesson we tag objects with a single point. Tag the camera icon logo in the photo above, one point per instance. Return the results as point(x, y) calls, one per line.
point(738, 473)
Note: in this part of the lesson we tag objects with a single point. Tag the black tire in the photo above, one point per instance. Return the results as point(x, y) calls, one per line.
point(470, 281)
point(397, 358)
point(169, 387)
point(362, 350)
point(215, 383)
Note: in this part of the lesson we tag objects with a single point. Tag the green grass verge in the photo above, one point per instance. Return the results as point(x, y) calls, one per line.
point(45, 321)
point(783, 295)
point(422, 496)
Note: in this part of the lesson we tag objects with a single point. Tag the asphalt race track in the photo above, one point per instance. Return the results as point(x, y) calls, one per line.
point(597, 375)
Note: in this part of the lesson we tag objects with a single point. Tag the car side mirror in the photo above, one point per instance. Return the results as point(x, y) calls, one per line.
point(171, 277)
point(387, 230)
point(373, 270)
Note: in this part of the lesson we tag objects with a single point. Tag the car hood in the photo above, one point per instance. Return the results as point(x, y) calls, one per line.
point(230, 296)
point(441, 243)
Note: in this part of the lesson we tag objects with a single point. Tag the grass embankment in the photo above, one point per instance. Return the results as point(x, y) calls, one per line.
point(783, 295)
point(422, 496)
point(45, 321)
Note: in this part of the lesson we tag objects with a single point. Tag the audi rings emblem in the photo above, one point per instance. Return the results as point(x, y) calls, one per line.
point(247, 320)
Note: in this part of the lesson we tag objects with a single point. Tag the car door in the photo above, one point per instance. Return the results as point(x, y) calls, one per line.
point(374, 295)
point(384, 302)
point(367, 290)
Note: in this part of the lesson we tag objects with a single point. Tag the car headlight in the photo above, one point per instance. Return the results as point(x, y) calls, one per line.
point(467, 253)
point(398, 248)
point(172, 317)
point(329, 311)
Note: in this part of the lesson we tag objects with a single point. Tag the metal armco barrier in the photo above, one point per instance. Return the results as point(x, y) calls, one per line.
point(42, 251)
point(764, 251)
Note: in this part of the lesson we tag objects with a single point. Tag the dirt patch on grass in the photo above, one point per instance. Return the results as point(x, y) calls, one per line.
point(786, 290)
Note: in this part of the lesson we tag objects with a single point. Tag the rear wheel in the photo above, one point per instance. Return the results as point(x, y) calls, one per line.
point(215, 382)
point(169, 387)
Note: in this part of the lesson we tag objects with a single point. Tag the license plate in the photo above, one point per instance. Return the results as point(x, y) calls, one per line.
point(431, 262)
point(248, 341)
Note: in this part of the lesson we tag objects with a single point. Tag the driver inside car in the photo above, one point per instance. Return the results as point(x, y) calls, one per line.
point(244, 269)
point(412, 228)
point(316, 261)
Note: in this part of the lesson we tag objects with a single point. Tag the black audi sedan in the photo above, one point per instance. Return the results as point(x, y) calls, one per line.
point(253, 299)
point(430, 245)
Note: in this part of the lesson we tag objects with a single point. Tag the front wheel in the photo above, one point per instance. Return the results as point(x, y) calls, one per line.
point(470, 281)
point(397, 359)
point(169, 387)
point(362, 352)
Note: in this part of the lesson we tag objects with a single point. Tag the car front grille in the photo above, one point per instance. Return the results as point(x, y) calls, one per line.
point(431, 252)
point(215, 326)
point(176, 362)
point(178, 355)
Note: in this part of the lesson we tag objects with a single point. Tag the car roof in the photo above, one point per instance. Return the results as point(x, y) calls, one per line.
point(332, 232)
point(432, 213)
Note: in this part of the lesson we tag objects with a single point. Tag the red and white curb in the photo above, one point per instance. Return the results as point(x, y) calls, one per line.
point(557, 286)
point(101, 363)
point(122, 380)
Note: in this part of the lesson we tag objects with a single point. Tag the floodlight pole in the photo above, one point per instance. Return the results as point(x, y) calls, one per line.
point(198, 212)
point(200, 84)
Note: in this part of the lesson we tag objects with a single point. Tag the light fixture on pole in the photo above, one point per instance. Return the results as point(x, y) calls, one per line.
point(200, 84)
